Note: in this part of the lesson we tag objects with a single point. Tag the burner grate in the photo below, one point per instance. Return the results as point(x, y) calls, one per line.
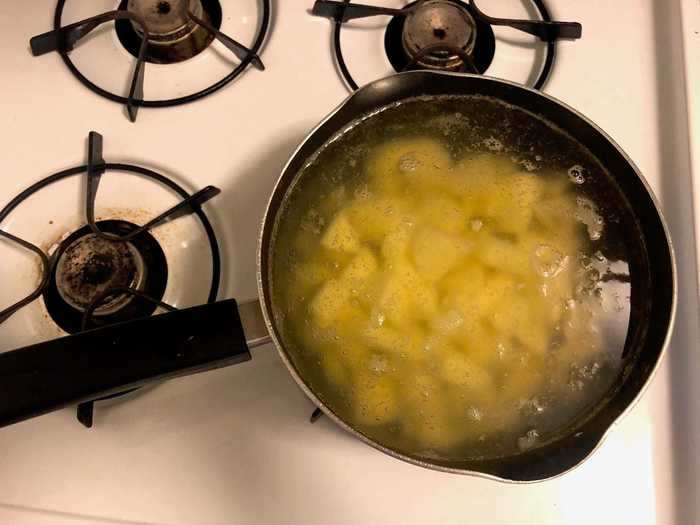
point(63, 39)
point(73, 319)
point(468, 60)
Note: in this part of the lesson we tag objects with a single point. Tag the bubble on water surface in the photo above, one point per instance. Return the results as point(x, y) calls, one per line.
point(408, 163)
point(493, 144)
point(576, 174)
point(529, 440)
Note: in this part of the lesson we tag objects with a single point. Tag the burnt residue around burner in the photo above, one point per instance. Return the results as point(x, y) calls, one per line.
point(173, 35)
point(88, 265)
point(447, 30)
point(91, 266)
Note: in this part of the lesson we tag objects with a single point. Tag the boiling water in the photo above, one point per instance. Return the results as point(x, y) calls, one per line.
point(448, 279)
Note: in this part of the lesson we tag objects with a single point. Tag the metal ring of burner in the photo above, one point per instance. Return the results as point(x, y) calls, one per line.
point(255, 48)
point(542, 78)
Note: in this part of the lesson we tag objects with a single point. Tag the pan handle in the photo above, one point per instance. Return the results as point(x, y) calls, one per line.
point(47, 376)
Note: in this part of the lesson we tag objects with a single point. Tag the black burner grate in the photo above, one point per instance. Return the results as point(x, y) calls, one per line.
point(73, 320)
point(63, 39)
point(477, 62)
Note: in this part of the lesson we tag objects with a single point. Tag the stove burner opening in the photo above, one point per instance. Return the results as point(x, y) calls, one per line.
point(163, 8)
point(439, 35)
point(173, 36)
point(88, 266)
point(91, 266)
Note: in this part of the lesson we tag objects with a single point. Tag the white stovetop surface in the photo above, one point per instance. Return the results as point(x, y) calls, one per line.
point(234, 445)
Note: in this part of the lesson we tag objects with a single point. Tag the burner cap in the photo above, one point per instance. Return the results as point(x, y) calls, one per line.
point(439, 23)
point(167, 20)
point(91, 265)
point(172, 35)
point(88, 265)
point(446, 27)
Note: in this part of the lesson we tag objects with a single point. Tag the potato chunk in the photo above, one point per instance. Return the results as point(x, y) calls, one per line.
point(504, 255)
point(400, 162)
point(435, 252)
point(374, 218)
point(397, 243)
point(512, 205)
point(404, 343)
point(442, 212)
point(375, 401)
point(523, 319)
point(328, 303)
point(341, 236)
point(360, 268)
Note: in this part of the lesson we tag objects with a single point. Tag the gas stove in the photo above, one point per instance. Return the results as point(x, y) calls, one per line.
point(216, 103)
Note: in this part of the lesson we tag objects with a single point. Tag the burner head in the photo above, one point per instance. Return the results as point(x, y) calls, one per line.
point(437, 35)
point(167, 20)
point(172, 35)
point(439, 23)
point(91, 265)
point(88, 265)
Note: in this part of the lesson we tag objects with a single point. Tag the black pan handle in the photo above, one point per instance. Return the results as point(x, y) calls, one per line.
point(47, 376)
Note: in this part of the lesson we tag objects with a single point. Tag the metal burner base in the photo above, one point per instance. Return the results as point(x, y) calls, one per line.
point(155, 276)
point(171, 52)
point(482, 50)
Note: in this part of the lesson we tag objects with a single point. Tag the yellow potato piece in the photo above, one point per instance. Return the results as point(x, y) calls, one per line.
point(475, 179)
point(396, 244)
point(487, 349)
point(448, 323)
point(523, 382)
point(375, 401)
point(374, 218)
point(341, 236)
point(460, 370)
point(435, 252)
point(406, 297)
point(505, 255)
point(442, 212)
point(407, 161)
point(486, 166)
point(512, 203)
point(497, 287)
point(355, 356)
point(523, 319)
point(328, 303)
point(307, 277)
point(360, 268)
point(467, 279)
point(480, 304)
point(428, 421)
point(404, 343)
point(349, 319)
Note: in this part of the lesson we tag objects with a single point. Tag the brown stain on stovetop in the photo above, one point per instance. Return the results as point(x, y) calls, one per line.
point(138, 216)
